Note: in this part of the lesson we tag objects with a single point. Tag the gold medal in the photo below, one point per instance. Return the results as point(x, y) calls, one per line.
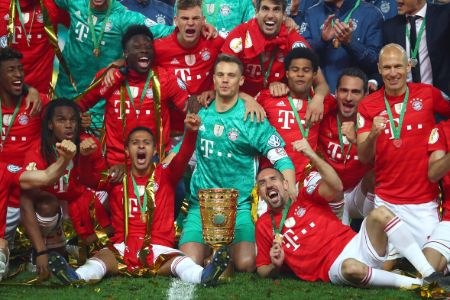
point(278, 238)
point(96, 52)
point(336, 43)
point(143, 217)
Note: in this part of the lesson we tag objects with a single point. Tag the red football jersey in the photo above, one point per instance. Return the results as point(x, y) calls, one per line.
point(166, 178)
point(171, 90)
point(347, 164)
point(401, 174)
point(38, 55)
point(313, 237)
point(9, 178)
point(247, 42)
point(194, 66)
point(440, 140)
point(25, 134)
point(281, 116)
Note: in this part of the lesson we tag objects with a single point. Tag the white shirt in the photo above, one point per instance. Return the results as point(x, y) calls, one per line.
point(426, 74)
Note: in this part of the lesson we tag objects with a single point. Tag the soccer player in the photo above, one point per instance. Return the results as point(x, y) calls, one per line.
point(20, 128)
point(262, 45)
point(337, 143)
point(143, 238)
point(41, 210)
point(138, 83)
point(27, 179)
point(226, 150)
point(436, 249)
point(393, 128)
point(306, 236)
point(30, 38)
point(288, 113)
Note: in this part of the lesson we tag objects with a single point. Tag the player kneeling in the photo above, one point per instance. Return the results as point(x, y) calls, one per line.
point(147, 240)
point(315, 245)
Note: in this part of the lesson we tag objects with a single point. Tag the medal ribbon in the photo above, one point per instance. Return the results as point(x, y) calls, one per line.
point(22, 23)
point(267, 72)
point(143, 203)
point(66, 177)
point(341, 139)
point(305, 131)
point(396, 130)
point(349, 15)
point(11, 122)
point(98, 41)
point(414, 51)
point(278, 229)
point(144, 92)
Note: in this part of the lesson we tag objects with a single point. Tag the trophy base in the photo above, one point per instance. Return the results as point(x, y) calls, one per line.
point(229, 271)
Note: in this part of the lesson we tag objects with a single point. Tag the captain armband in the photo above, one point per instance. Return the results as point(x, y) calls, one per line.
point(276, 154)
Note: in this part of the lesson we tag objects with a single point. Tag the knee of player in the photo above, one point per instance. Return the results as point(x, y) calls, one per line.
point(381, 215)
point(3, 244)
point(353, 270)
point(245, 263)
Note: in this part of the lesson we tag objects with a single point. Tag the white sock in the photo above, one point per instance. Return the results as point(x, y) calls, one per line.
point(93, 269)
point(368, 204)
point(186, 269)
point(381, 278)
point(404, 242)
point(3, 264)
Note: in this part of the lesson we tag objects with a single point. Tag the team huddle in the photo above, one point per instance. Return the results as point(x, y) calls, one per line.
point(139, 106)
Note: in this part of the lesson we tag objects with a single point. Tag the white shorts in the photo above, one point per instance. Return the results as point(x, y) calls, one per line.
point(440, 239)
point(157, 250)
point(420, 219)
point(359, 248)
point(356, 204)
point(12, 221)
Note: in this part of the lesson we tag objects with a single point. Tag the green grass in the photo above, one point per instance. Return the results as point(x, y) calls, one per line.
point(242, 286)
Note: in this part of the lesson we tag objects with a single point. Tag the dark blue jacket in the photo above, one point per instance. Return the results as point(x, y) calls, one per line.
point(364, 47)
point(387, 7)
point(157, 11)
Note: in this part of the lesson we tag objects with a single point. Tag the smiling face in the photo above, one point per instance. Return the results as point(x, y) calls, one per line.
point(189, 23)
point(64, 124)
point(348, 95)
point(394, 68)
point(270, 17)
point(100, 5)
point(300, 76)
point(139, 53)
point(11, 77)
point(272, 188)
point(140, 149)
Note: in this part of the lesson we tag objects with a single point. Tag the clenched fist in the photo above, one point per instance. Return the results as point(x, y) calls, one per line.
point(66, 149)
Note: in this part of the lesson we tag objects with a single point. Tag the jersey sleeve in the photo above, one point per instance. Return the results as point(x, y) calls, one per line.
point(437, 140)
point(13, 174)
point(296, 40)
point(92, 166)
point(310, 190)
point(363, 119)
point(441, 104)
point(263, 238)
point(174, 89)
point(233, 44)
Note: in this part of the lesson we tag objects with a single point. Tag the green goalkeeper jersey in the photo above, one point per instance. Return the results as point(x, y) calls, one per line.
point(227, 152)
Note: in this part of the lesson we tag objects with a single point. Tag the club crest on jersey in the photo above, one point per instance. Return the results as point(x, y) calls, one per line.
point(13, 168)
point(280, 57)
point(385, 7)
point(40, 18)
point(202, 127)
point(360, 120)
point(310, 189)
point(7, 119)
point(108, 26)
point(149, 93)
point(134, 91)
point(218, 130)
point(225, 10)
point(248, 40)
point(181, 84)
point(300, 212)
point(236, 45)
point(398, 108)
point(6, 17)
point(417, 104)
point(434, 136)
point(160, 19)
point(299, 45)
point(303, 27)
point(26, 17)
point(23, 119)
point(355, 24)
point(290, 222)
point(190, 59)
point(233, 134)
point(298, 104)
point(156, 187)
point(210, 8)
point(274, 141)
point(205, 54)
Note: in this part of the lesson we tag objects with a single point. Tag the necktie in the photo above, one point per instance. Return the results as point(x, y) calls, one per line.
point(415, 71)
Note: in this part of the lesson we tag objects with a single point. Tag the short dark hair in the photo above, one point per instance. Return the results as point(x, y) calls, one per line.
point(304, 53)
point(139, 128)
point(9, 53)
point(271, 168)
point(283, 4)
point(133, 30)
point(186, 4)
point(229, 59)
point(354, 72)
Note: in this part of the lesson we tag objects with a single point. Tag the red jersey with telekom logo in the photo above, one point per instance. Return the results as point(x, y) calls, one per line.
point(247, 42)
point(25, 134)
point(346, 164)
point(172, 90)
point(313, 237)
point(9, 179)
point(281, 116)
point(401, 173)
point(440, 140)
point(37, 53)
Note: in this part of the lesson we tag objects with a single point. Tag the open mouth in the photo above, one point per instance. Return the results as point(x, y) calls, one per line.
point(68, 135)
point(144, 62)
point(17, 83)
point(269, 25)
point(348, 107)
point(272, 194)
point(190, 32)
point(141, 158)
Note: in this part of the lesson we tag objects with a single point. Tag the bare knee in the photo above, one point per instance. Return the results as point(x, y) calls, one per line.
point(3, 244)
point(353, 270)
point(245, 264)
point(198, 252)
point(380, 215)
